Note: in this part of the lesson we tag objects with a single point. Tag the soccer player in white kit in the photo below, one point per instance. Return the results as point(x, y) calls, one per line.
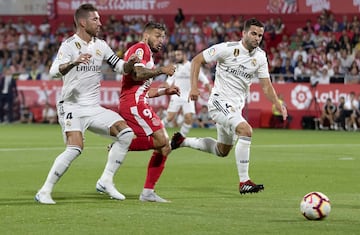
point(181, 78)
point(78, 63)
point(238, 63)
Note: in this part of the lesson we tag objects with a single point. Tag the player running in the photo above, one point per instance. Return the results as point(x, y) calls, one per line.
point(238, 64)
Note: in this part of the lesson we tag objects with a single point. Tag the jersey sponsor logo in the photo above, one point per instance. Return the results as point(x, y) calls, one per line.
point(212, 51)
point(139, 53)
point(78, 46)
point(239, 72)
point(236, 52)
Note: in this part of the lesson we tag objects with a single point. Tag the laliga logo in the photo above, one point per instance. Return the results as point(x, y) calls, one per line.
point(301, 96)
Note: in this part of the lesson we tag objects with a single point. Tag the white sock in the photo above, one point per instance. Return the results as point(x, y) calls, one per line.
point(59, 167)
point(185, 128)
point(242, 156)
point(117, 154)
point(207, 144)
point(147, 191)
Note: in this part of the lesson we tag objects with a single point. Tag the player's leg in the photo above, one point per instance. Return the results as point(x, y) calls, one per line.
point(242, 157)
point(207, 144)
point(110, 123)
point(170, 116)
point(171, 112)
point(156, 166)
point(188, 110)
point(74, 145)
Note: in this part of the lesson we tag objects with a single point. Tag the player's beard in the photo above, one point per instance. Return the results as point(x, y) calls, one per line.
point(251, 45)
point(93, 32)
point(153, 48)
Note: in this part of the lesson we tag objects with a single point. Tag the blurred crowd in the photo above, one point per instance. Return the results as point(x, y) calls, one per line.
point(323, 51)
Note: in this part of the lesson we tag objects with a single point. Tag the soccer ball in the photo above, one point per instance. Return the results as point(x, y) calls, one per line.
point(315, 206)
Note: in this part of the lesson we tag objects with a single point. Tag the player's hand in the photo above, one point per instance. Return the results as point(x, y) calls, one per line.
point(83, 58)
point(194, 94)
point(133, 59)
point(168, 69)
point(172, 90)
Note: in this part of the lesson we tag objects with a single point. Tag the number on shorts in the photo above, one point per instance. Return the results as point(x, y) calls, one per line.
point(147, 113)
point(69, 116)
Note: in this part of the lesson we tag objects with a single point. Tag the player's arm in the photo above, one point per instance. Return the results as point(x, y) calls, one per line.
point(196, 63)
point(205, 81)
point(64, 61)
point(141, 73)
point(271, 95)
point(167, 90)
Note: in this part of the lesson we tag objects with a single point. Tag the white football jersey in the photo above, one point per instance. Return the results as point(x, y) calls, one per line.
point(181, 78)
point(236, 69)
point(81, 85)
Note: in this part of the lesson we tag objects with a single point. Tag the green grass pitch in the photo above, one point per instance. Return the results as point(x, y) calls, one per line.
point(203, 188)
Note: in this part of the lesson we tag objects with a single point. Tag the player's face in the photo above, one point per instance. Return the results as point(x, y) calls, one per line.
point(93, 24)
point(179, 57)
point(156, 39)
point(253, 37)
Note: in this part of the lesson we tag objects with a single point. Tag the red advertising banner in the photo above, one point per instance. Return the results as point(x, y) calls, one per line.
point(202, 7)
point(299, 98)
point(169, 7)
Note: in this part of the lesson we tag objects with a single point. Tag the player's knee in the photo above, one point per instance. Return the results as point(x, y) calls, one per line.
point(125, 136)
point(244, 129)
point(222, 151)
point(69, 155)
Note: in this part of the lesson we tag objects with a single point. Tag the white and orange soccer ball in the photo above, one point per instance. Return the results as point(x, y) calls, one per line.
point(315, 206)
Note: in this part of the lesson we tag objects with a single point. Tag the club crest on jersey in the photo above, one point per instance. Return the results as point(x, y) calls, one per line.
point(156, 121)
point(98, 52)
point(78, 46)
point(236, 52)
point(140, 53)
point(253, 62)
point(211, 51)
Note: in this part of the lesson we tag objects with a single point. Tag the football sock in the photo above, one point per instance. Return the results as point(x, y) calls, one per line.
point(155, 168)
point(142, 143)
point(61, 164)
point(206, 144)
point(242, 156)
point(117, 154)
point(185, 128)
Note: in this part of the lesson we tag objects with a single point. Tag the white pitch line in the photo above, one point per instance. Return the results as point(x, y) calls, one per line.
point(45, 148)
point(252, 146)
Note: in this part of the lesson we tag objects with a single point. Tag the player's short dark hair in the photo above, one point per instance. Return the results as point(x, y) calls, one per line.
point(252, 21)
point(83, 10)
point(154, 25)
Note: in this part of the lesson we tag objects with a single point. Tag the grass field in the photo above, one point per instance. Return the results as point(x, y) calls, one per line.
point(203, 189)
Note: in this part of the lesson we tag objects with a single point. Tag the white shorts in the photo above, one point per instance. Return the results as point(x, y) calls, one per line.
point(176, 103)
point(73, 117)
point(227, 117)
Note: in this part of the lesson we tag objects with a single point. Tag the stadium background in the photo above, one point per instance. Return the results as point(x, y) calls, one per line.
point(294, 14)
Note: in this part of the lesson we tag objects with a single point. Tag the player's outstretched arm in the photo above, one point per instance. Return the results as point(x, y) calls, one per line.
point(169, 90)
point(271, 95)
point(142, 73)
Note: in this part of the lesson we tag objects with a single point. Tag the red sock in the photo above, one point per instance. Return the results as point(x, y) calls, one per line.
point(141, 143)
point(155, 168)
